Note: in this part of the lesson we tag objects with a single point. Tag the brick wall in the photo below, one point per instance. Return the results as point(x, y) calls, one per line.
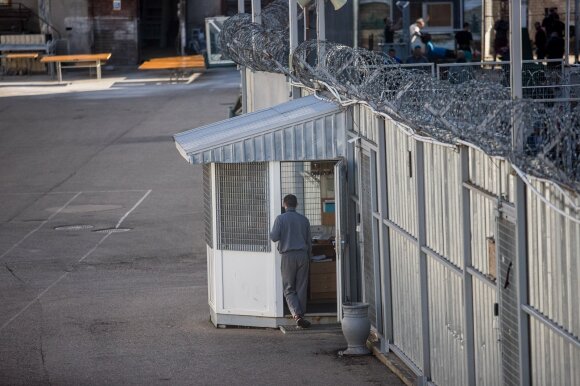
point(116, 31)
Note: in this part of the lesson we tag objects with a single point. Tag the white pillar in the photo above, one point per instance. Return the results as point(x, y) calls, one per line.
point(256, 11)
point(567, 35)
point(486, 29)
point(320, 20)
point(577, 29)
point(355, 23)
point(181, 12)
point(516, 48)
point(293, 27)
point(241, 9)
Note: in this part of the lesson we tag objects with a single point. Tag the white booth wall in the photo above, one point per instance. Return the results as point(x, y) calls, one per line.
point(245, 287)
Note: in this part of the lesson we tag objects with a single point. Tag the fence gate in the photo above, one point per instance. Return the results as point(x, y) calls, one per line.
point(508, 301)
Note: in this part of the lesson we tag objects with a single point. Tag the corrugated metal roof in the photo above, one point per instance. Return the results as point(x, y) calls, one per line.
point(302, 129)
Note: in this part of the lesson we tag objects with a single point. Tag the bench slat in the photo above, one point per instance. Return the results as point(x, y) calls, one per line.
point(75, 58)
point(171, 66)
point(20, 56)
point(177, 58)
point(192, 62)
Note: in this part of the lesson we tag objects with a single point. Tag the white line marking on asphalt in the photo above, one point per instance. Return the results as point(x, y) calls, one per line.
point(193, 77)
point(40, 295)
point(84, 191)
point(132, 209)
point(40, 225)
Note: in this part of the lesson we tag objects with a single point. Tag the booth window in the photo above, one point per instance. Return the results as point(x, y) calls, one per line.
point(243, 207)
point(313, 185)
point(207, 205)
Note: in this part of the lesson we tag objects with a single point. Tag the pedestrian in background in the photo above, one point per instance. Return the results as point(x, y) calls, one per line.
point(417, 56)
point(540, 40)
point(464, 41)
point(415, 32)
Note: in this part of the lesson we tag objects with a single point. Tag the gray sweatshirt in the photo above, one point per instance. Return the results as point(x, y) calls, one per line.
point(292, 231)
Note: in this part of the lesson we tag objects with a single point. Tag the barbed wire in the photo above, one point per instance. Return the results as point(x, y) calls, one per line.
point(472, 106)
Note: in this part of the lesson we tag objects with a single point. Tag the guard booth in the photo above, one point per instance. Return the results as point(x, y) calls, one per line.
point(250, 163)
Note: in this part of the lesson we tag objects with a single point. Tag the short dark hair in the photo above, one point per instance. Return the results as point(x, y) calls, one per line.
point(466, 24)
point(290, 201)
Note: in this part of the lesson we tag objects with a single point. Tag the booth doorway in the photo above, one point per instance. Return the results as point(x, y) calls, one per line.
point(313, 184)
point(159, 27)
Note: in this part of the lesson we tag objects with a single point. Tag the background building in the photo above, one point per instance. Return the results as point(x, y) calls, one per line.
point(132, 30)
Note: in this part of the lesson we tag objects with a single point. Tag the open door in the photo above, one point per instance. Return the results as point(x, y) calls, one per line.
point(340, 237)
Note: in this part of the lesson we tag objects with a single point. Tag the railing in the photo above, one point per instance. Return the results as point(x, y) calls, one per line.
point(18, 12)
point(426, 67)
point(544, 80)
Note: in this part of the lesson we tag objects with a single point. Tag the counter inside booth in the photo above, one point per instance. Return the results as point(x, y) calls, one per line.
point(322, 281)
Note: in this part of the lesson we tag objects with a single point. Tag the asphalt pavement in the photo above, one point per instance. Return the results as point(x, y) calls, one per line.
point(102, 260)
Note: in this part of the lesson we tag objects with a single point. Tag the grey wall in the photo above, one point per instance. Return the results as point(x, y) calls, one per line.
point(198, 10)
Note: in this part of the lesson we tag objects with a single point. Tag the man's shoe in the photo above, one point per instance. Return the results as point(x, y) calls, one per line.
point(303, 323)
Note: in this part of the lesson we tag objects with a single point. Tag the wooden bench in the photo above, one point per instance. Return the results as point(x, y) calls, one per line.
point(85, 60)
point(177, 64)
point(19, 56)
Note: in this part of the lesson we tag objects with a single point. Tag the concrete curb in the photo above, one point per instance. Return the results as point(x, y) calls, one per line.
point(393, 363)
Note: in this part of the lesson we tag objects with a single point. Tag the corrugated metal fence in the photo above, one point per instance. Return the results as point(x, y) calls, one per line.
point(451, 305)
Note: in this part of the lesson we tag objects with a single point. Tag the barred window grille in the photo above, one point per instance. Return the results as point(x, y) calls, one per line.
point(243, 207)
point(207, 205)
point(297, 179)
point(303, 179)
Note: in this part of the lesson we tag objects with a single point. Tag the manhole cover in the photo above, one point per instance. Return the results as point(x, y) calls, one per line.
point(113, 230)
point(78, 227)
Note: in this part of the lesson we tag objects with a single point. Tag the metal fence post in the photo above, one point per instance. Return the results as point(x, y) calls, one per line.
point(241, 9)
point(293, 29)
point(423, 269)
point(520, 194)
point(385, 250)
point(467, 278)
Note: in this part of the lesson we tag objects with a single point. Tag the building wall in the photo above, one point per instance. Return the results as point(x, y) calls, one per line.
point(72, 20)
point(116, 31)
point(198, 10)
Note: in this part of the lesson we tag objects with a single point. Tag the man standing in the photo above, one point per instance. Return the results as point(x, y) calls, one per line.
point(464, 40)
point(540, 40)
point(417, 56)
point(292, 232)
point(415, 32)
